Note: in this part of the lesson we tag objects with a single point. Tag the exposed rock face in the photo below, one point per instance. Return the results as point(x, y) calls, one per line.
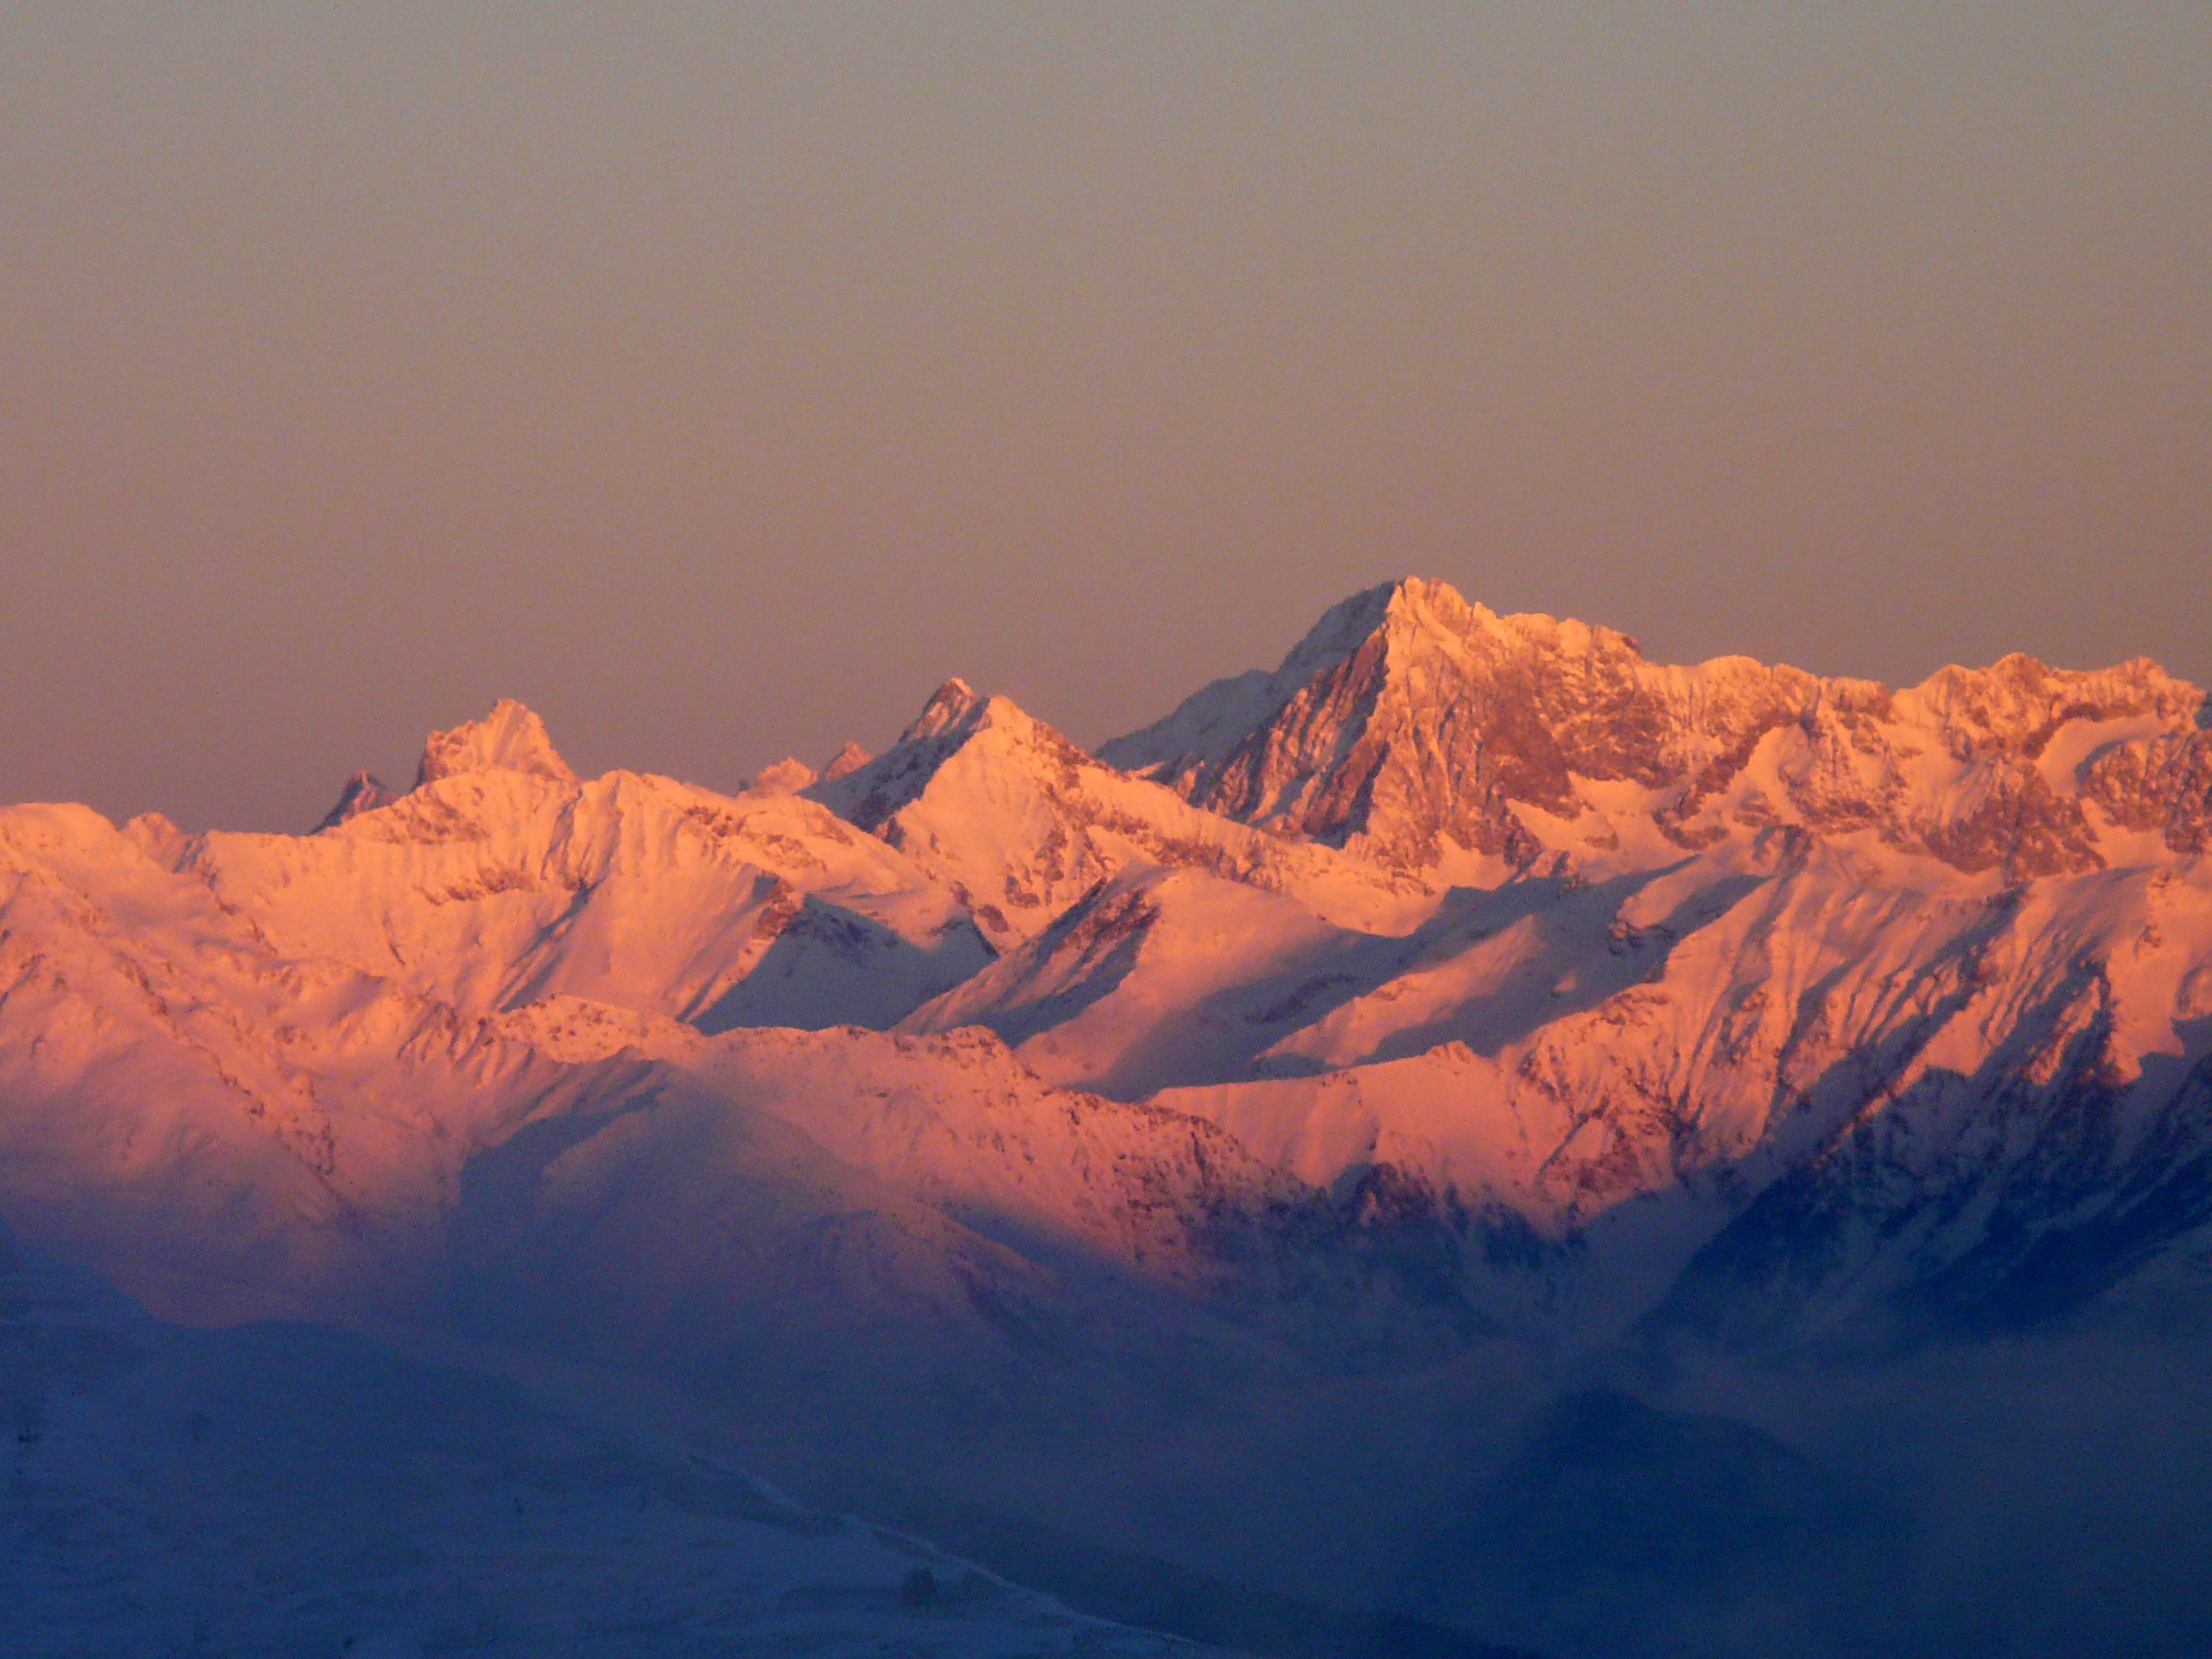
point(1020, 823)
point(1464, 952)
point(2161, 784)
point(509, 738)
point(1408, 715)
point(364, 792)
point(1408, 718)
point(869, 794)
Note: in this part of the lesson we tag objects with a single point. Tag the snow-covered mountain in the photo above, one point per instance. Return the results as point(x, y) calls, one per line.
point(1411, 725)
point(1464, 974)
point(1020, 823)
point(1704, 990)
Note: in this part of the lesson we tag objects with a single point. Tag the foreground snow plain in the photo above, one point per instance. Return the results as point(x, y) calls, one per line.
point(285, 1489)
point(1466, 1007)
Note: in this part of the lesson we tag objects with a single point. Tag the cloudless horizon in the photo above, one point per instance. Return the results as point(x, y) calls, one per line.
point(718, 380)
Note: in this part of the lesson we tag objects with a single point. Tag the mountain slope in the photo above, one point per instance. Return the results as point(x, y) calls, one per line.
point(230, 1130)
point(282, 1490)
point(1962, 1076)
point(1464, 967)
point(1467, 1006)
point(1156, 977)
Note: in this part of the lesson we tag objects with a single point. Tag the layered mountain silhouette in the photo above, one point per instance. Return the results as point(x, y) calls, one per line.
point(1463, 981)
point(1462, 969)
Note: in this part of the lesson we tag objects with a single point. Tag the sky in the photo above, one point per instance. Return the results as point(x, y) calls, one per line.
point(717, 379)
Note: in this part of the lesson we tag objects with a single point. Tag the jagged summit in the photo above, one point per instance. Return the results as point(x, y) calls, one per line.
point(1410, 607)
point(1438, 742)
point(1410, 612)
point(870, 791)
point(1408, 723)
point(1405, 716)
point(954, 703)
point(510, 739)
point(364, 792)
point(1018, 822)
point(1763, 1003)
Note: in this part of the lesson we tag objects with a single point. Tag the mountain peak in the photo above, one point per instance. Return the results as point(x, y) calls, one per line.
point(954, 703)
point(787, 777)
point(1417, 600)
point(1408, 606)
point(869, 790)
point(1408, 719)
point(511, 738)
point(364, 792)
point(851, 758)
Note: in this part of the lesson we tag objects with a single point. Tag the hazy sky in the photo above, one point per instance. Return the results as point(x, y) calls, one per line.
point(718, 378)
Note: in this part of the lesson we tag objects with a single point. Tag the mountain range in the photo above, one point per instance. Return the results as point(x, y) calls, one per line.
point(1466, 979)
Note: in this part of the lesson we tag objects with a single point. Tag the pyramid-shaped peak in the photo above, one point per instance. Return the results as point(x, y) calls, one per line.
point(1424, 599)
point(954, 703)
point(1407, 713)
point(955, 717)
point(364, 792)
point(1408, 605)
point(511, 738)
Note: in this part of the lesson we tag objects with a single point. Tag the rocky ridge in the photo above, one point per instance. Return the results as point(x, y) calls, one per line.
point(1464, 970)
point(1409, 722)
